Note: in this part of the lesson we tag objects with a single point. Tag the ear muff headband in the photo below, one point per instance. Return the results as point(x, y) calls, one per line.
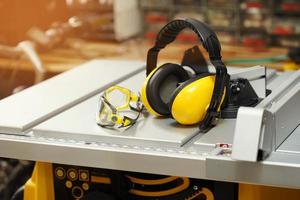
point(212, 45)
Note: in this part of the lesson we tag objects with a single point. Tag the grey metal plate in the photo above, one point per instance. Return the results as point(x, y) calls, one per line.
point(280, 169)
point(24, 110)
point(287, 114)
point(222, 133)
point(137, 158)
point(276, 80)
point(79, 122)
point(292, 143)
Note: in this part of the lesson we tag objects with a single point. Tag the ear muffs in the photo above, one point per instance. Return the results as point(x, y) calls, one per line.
point(159, 85)
point(190, 101)
point(208, 91)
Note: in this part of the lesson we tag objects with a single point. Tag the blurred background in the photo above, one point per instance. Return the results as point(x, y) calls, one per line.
point(252, 22)
point(41, 38)
point(244, 22)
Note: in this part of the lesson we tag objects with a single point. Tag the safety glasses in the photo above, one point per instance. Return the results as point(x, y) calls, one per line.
point(118, 107)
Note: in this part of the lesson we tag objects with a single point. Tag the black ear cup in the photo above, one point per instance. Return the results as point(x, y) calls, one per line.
point(161, 85)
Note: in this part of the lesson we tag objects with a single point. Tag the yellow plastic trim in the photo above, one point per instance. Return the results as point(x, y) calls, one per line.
point(250, 192)
point(180, 188)
point(100, 179)
point(152, 182)
point(40, 186)
point(126, 122)
point(144, 94)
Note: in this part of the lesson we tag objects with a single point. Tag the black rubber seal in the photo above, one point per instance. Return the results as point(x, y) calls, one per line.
point(154, 85)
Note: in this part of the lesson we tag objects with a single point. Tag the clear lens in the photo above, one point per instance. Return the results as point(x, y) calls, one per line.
point(104, 115)
point(116, 102)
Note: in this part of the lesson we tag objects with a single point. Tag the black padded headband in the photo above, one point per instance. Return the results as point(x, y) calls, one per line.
point(212, 45)
point(169, 33)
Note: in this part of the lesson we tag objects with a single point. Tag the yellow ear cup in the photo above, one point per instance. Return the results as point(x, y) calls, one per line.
point(144, 94)
point(191, 101)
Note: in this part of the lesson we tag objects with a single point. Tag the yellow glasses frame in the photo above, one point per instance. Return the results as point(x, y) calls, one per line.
point(114, 117)
point(130, 96)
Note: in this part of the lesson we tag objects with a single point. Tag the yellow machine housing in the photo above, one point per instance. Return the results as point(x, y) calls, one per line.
point(41, 186)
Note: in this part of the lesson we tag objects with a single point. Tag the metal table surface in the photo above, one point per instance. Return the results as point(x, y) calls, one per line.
point(292, 143)
point(69, 134)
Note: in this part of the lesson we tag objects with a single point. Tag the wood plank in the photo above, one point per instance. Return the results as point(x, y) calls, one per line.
point(62, 59)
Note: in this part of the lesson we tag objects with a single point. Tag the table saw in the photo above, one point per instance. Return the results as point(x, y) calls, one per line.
point(54, 122)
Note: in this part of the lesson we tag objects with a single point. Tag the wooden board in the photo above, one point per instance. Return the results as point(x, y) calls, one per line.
point(64, 58)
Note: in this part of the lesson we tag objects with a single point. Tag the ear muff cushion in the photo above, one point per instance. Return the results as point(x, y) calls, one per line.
point(190, 100)
point(159, 81)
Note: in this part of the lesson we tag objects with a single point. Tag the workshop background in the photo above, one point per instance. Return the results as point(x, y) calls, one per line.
point(42, 38)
